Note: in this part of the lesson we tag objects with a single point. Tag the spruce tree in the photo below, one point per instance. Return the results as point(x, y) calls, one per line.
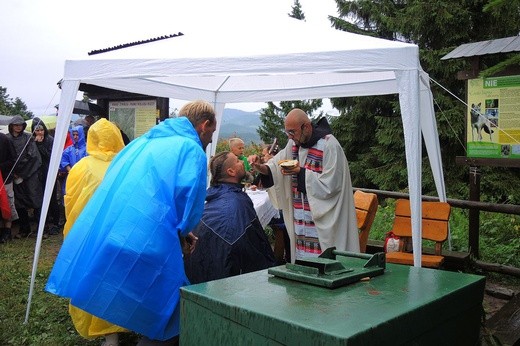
point(8, 106)
point(370, 128)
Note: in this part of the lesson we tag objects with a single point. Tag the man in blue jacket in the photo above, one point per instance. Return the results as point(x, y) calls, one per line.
point(122, 259)
point(231, 240)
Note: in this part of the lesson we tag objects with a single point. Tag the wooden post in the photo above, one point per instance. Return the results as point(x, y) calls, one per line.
point(474, 214)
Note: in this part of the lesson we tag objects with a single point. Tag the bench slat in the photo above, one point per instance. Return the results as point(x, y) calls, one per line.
point(430, 261)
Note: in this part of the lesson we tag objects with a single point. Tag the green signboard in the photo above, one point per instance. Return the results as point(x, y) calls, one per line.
point(493, 128)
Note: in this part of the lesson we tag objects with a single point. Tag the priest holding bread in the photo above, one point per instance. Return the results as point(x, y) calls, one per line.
point(310, 181)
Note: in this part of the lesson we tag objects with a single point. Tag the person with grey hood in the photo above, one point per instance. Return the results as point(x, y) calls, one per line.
point(27, 188)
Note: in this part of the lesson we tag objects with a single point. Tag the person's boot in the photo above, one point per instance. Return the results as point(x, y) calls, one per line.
point(23, 232)
point(5, 235)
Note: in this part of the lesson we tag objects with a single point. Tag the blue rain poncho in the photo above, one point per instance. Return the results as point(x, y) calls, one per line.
point(122, 259)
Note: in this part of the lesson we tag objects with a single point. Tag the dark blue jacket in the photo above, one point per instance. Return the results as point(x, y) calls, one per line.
point(231, 238)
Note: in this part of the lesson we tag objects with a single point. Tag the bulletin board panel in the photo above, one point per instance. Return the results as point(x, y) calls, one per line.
point(493, 122)
point(134, 117)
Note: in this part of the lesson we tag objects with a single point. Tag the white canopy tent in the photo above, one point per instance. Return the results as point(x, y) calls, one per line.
point(286, 60)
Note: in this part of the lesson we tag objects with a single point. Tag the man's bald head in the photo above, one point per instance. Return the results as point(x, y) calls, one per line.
point(298, 126)
point(297, 116)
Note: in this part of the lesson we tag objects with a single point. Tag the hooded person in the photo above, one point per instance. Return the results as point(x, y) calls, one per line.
point(122, 259)
point(73, 153)
point(28, 191)
point(44, 142)
point(103, 143)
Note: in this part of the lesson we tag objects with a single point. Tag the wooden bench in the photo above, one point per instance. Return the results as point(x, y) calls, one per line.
point(435, 217)
point(366, 208)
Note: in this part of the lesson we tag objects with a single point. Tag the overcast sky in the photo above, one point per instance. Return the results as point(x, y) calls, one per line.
point(38, 36)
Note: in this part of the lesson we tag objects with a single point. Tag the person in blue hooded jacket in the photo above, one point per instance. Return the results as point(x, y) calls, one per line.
point(73, 153)
point(122, 259)
point(231, 240)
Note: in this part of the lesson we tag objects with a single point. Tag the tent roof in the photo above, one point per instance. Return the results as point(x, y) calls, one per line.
point(218, 65)
point(232, 61)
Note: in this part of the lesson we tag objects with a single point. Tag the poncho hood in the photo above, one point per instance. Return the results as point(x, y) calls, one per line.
point(104, 140)
point(319, 130)
point(17, 120)
point(176, 126)
point(81, 143)
point(37, 121)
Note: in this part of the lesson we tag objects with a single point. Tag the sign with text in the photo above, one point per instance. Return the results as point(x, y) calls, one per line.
point(133, 117)
point(493, 127)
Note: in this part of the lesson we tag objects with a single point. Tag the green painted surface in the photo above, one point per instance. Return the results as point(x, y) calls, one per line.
point(332, 272)
point(405, 305)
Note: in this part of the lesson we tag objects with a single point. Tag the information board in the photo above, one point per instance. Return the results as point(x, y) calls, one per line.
point(133, 117)
point(493, 124)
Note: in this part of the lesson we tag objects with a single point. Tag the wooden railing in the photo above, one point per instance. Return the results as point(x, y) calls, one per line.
point(456, 203)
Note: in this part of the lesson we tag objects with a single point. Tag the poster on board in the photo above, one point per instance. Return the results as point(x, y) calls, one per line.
point(493, 128)
point(133, 117)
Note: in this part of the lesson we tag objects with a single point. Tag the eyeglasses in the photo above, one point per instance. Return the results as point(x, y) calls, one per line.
point(293, 132)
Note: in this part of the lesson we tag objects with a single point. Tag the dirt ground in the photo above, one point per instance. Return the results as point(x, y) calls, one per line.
point(497, 295)
point(501, 305)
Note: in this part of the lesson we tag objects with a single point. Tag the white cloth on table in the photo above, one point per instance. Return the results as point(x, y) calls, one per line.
point(265, 210)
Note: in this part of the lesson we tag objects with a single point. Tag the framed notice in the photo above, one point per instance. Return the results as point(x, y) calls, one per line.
point(134, 118)
point(493, 125)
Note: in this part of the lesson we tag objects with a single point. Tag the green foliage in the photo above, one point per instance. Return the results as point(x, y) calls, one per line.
point(272, 126)
point(273, 118)
point(500, 238)
point(8, 106)
point(511, 61)
point(383, 220)
point(370, 17)
point(370, 128)
point(250, 149)
point(297, 11)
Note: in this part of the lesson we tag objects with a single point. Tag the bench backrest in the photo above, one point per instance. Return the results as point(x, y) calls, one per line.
point(366, 209)
point(435, 220)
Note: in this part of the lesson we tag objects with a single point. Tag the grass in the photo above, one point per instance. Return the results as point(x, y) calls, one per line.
point(49, 322)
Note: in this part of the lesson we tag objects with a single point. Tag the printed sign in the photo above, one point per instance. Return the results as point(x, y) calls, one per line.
point(493, 128)
point(133, 117)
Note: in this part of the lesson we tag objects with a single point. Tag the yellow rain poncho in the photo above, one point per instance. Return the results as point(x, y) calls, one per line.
point(104, 141)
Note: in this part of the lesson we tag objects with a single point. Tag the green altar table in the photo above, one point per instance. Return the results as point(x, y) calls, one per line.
point(403, 306)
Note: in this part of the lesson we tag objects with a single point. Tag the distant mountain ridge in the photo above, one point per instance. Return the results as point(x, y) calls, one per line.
point(239, 123)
